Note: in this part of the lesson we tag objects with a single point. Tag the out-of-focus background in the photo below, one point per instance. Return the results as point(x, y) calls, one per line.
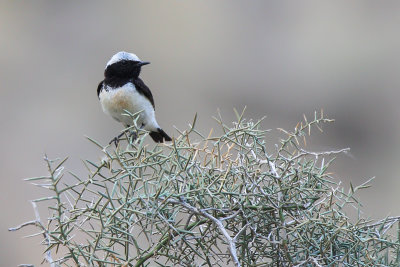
point(281, 59)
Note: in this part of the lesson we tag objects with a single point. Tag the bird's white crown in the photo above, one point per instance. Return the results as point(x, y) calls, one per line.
point(122, 56)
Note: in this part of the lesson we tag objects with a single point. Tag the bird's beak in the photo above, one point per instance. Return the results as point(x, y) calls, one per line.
point(142, 63)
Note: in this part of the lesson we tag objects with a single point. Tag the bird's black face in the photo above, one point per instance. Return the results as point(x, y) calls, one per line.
point(124, 69)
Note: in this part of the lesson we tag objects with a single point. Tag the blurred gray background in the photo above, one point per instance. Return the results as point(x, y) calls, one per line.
point(281, 59)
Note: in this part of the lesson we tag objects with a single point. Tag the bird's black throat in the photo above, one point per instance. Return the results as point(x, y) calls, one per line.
point(116, 82)
point(120, 73)
point(123, 72)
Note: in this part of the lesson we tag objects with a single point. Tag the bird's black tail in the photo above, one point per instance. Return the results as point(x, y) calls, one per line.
point(160, 136)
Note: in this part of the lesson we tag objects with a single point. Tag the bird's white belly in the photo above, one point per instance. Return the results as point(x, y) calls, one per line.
point(115, 101)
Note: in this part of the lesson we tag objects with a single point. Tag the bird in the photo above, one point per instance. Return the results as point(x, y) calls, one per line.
point(122, 90)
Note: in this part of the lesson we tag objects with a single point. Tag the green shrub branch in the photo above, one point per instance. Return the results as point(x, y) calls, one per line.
point(205, 200)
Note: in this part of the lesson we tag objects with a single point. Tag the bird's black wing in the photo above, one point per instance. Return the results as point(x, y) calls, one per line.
point(99, 87)
point(143, 89)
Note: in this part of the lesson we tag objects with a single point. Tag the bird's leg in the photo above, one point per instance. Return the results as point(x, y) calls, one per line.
point(132, 136)
point(115, 140)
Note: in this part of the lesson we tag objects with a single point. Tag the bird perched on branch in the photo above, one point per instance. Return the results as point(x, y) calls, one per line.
point(122, 89)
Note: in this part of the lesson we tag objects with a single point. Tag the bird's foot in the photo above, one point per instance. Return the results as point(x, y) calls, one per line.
point(115, 140)
point(132, 136)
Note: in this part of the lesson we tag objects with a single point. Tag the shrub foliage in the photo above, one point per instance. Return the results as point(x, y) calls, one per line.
point(227, 200)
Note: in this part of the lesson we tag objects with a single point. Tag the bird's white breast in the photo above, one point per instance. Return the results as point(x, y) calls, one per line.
point(115, 101)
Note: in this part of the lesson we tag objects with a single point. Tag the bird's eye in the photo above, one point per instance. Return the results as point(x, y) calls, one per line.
point(124, 62)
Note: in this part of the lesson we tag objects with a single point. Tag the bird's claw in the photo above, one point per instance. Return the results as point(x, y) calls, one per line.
point(132, 136)
point(115, 140)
